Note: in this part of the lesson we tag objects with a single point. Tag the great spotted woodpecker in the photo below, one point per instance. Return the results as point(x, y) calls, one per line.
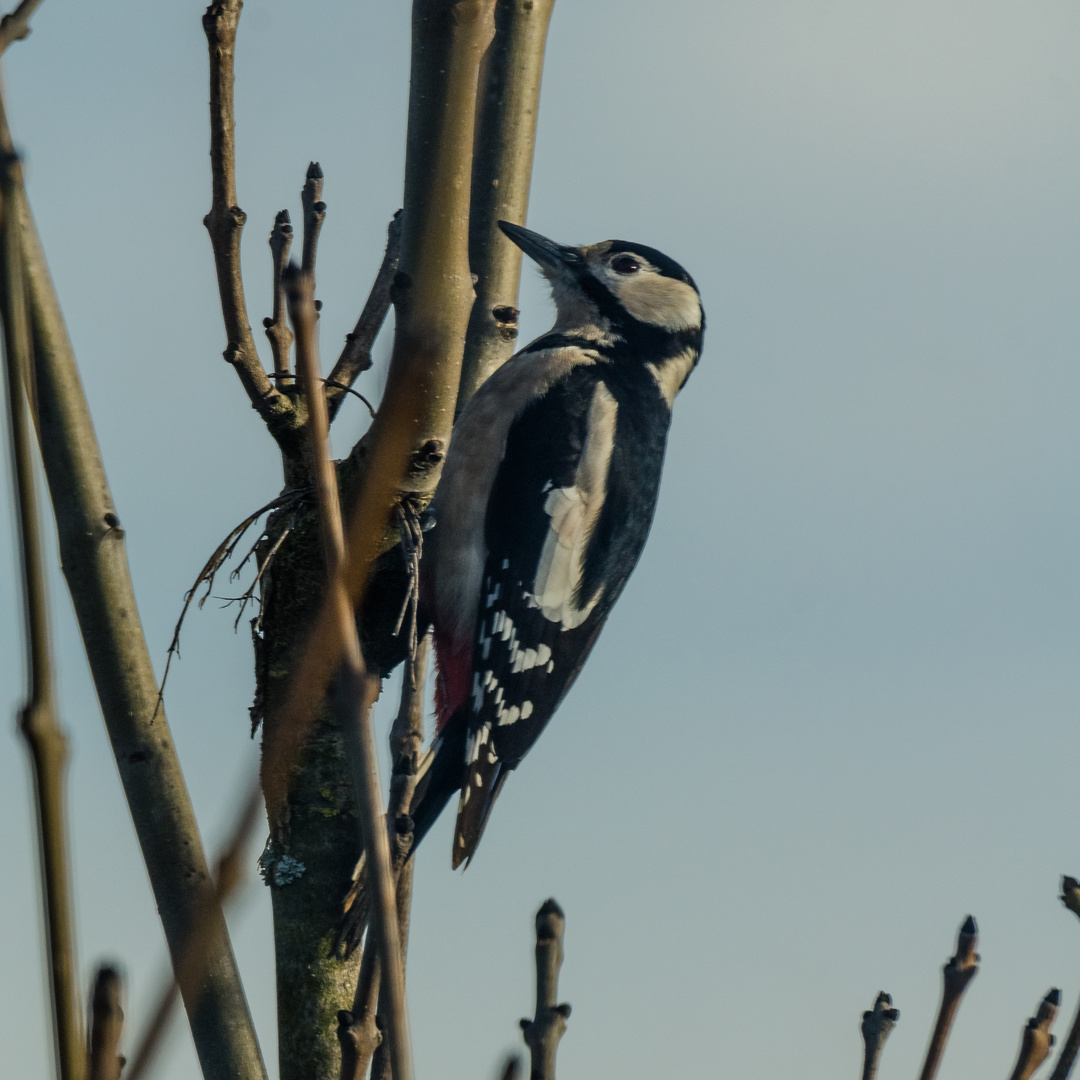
point(545, 502)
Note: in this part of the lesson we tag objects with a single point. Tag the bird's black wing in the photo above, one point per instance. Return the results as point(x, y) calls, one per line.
point(558, 498)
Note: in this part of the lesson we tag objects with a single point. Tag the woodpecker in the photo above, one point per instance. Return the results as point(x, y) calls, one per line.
point(545, 503)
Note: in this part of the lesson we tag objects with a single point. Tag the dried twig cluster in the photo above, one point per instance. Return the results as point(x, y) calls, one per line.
point(1035, 1039)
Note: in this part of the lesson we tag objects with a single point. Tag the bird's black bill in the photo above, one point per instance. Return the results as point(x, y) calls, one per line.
point(539, 248)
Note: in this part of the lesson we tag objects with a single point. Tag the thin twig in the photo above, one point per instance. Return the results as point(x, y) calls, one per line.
point(249, 593)
point(277, 329)
point(106, 1025)
point(956, 975)
point(1036, 1040)
point(349, 390)
point(225, 223)
point(38, 723)
point(356, 355)
point(876, 1025)
point(511, 1068)
point(358, 1033)
point(203, 939)
point(357, 689)
point(544, 1031)
point(206, 576)
point(1070, 897)
point(502, 171)
point(16, 25)
point(406, 739)
point(94, 561)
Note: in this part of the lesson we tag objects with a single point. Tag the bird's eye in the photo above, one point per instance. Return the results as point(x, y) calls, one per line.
point(625, 264)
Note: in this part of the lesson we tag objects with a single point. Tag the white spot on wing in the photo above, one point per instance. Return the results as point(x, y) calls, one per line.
point(526, 710)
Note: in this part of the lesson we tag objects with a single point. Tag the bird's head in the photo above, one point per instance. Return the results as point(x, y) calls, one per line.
point(615, 288)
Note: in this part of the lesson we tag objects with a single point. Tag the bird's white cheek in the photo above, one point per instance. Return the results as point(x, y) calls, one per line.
point(660, 301)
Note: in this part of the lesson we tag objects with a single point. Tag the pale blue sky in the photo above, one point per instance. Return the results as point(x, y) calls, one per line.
point(836, 708)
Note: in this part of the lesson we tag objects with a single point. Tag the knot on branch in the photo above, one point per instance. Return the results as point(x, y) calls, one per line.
point(506, 322)
point(426, 457)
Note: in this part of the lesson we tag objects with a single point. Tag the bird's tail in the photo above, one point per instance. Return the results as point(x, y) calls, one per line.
point(439, 776)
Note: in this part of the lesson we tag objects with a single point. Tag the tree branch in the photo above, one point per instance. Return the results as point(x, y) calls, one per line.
point(1036, 1040)
point(314, 216)
point(45, 740)
point(277, 329)
point(1070, 897)
point(956, 975)
point(406, 740)
point(543, 1032)
point(356, 355)
point(16, 25)
point(357, 689)
point(358, 1031)
point(402, 452)
point(876, 1025)
point(203, 940)
point(95, 565)
point(502, 171)
point(106, 1025)
point(225, 223)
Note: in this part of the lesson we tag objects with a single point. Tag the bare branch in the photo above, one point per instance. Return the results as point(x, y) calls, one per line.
point(545, 1030)
point(502, 171)
point(45, 740)
point(1070, 897)
point(956, 976)
point(357, 689)
point(1036, 1040)
point(190, 968)
point(277, 329)
point(356, 355)
point(95, 565)
point(511, 1069)
point(16, 25)
point(106, 1025)
point(357, 1031)
point(314, 216)
point(225, 223)
point(876, 1025)
point(433, 289)
point(406, 739)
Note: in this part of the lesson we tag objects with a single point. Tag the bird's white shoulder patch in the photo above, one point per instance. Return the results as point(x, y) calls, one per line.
point(456, 554)
point(572, 513)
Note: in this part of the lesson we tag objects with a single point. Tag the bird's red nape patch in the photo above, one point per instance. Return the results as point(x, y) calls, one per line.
point(453, 677)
